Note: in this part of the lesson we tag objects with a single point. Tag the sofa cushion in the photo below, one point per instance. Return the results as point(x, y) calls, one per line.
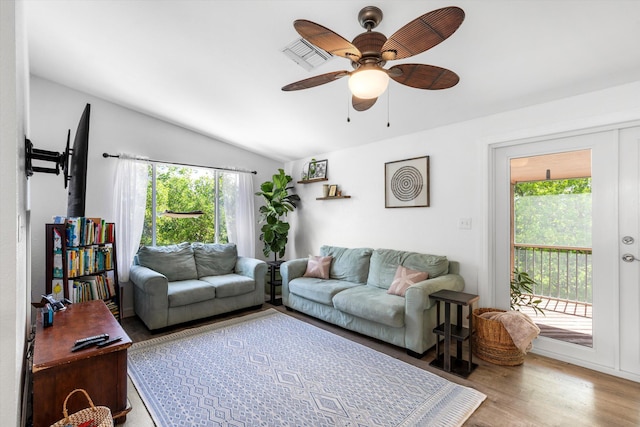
point(384, 263)
point(176, 262)
point(372, 303)
point(350, 264)
point(318, 290)
point(318, 266)
point(214, 259)
point(185, 292)
point(404, 278)
point(435, 265)
point(230, 285)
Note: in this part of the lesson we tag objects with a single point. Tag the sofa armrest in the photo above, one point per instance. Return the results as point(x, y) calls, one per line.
point(251, 267)
point(149, 281)
point(290, 270)
point(417, 296)
point(150, 296)
point(420, 316)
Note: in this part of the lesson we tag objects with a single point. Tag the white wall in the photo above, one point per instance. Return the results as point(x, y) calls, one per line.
point(459, 184)
point(113, 129)
point(14, 231)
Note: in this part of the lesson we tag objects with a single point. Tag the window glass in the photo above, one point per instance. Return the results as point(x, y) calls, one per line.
point(184, 189)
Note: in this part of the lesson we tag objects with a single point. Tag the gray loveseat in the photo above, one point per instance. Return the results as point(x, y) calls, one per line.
point(355, 293)
point(178, 283)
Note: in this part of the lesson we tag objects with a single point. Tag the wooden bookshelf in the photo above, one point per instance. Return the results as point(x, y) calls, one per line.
point(81, 259)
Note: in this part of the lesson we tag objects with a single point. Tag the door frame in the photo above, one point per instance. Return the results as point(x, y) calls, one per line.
point(496, 295)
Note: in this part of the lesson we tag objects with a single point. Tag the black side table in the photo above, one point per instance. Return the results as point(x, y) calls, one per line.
point(274, 268)
point(445, 361)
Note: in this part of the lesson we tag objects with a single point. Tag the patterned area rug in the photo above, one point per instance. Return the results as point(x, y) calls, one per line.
point(269, 369)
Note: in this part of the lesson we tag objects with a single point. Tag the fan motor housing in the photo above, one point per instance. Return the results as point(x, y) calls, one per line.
point(370, 44)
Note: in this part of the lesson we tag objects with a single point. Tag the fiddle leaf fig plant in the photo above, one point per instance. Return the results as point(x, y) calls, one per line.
point(522, 291)
point(278, 203)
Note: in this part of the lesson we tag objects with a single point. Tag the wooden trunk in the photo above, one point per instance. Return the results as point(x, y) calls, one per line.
point(101, 372)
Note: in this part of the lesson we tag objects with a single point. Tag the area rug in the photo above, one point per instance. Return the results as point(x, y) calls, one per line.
point(270, 369)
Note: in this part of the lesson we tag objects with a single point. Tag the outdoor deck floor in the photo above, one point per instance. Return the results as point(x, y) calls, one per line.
point(564, 325)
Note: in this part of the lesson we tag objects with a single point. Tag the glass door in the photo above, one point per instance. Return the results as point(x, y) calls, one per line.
point(601, 150)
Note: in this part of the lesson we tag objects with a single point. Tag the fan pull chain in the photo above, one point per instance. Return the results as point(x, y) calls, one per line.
point(388, 102)
point(348, 106)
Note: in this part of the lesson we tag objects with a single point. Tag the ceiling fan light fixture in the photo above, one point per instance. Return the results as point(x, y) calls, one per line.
point(368, 82)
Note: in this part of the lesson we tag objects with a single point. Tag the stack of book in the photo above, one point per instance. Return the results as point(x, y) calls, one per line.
point(89, 260)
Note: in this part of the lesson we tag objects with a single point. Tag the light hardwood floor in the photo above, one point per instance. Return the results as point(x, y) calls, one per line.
point(541, 392)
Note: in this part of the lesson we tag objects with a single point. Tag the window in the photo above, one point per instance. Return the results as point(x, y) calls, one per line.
point(184, 189)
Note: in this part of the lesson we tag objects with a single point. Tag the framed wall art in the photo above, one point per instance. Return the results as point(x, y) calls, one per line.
point(317, 169)
point(407, 183)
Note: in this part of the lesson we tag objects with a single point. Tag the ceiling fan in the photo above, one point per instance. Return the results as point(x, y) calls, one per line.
point(370, 51)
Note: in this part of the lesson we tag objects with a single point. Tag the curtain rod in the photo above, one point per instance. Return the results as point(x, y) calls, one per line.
point(107, 155)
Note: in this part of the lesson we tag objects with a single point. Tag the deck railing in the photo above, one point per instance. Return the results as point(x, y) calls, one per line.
point(562, 273)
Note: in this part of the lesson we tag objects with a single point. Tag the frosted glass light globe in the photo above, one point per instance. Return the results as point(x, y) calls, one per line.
point(368, 82)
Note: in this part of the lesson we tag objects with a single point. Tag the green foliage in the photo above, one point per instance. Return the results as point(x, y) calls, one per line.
point(522, 291)
point(184, 189)
point(553, 213)
point(553, 187)
point(278, 203)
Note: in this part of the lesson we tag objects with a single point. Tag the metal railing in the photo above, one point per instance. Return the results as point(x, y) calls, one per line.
point(561, 273)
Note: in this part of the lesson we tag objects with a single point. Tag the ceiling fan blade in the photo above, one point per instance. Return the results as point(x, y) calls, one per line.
point(326, 39)
point(423, 76)
point(360, 104)
point(423, 33)
point(315, 81)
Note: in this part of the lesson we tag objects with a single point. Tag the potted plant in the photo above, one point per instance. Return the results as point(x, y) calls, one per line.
point(278, 203)
point(312, 168)
point(522, 291)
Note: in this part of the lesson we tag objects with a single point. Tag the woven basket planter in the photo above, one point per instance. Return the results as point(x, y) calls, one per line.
point(492, 342)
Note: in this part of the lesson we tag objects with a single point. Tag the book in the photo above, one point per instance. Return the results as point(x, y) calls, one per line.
point(57, 254)
point(73, 231)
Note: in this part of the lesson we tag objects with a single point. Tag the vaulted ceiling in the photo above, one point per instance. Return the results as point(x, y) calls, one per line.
point(217, 67)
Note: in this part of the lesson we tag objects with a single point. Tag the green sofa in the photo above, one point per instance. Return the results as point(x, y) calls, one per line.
point(178, 283)
point(355, 293)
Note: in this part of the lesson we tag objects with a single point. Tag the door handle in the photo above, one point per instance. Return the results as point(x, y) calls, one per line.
point(629, 258)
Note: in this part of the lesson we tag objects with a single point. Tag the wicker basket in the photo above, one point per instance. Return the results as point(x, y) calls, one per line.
point(100, 415)
point(492, 342)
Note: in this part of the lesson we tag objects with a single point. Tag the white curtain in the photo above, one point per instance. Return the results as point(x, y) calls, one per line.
point(239, 212)
point(129, 203)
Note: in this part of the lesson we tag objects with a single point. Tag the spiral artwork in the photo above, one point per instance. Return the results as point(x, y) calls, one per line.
point(406, 183)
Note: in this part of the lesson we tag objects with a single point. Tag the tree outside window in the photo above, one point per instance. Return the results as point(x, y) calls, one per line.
point(184, 189)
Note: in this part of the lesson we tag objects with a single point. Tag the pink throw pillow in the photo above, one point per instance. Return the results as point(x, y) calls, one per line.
point(318, 266)
point(404, 278)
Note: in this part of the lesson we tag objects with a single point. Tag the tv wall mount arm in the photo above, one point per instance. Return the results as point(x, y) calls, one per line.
point(60, 160)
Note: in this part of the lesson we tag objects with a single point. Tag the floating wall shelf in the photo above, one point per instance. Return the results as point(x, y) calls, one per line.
point(310, 181)
point(334, 197)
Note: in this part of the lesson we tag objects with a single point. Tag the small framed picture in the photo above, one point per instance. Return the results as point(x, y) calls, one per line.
point(333, 190)
point(407, 183)
point(317, 169)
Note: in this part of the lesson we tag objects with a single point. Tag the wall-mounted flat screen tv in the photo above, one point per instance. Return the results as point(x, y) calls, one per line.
point(78, 167)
